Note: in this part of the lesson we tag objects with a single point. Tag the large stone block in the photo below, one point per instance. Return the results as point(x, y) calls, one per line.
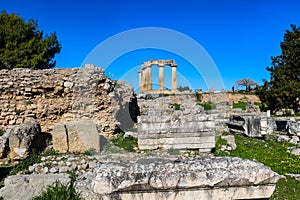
point(60, 138)
point(26, 187)
point(201, 178)
point(76, 137)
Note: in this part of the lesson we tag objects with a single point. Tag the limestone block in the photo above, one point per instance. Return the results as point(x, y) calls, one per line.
point(75, 137)
point(83, 136)
point(28, 186)
point(200, 178)
point(59, 138)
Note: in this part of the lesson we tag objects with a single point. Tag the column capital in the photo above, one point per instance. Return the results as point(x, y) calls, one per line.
point(173, 65)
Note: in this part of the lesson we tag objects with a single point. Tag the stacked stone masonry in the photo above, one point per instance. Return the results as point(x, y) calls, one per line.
point(162, 126)
point(57, 96)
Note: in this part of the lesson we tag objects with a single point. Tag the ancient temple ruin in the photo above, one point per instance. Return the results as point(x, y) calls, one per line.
point(145, 76)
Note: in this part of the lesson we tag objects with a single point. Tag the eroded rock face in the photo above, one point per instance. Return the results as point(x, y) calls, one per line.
point(19, 140)
point(200, 178)
point(26, 187)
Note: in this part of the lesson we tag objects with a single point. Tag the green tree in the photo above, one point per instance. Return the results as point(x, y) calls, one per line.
point(283, 89)
point(23, 45)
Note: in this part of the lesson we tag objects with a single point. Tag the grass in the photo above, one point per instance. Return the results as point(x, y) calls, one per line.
point(209, 106)
point(59, 191)
point(173, 151)
point(240, 104)
point(90, 152)
point(243, 105)
point(128, 143)
point(2, 132)
point(176, 106)
point(288, 188)
point(23, 165)
point(274, 155)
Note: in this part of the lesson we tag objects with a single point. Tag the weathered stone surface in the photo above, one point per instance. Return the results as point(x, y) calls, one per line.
point(62, 95)
point(19, 140)
point(200, 178)
point(230, 141)
point(60, 138)
point(76, 137)
point(296, 152)
point(293, 127)
point(26, 187)
point(162, 126)
point(249, 124)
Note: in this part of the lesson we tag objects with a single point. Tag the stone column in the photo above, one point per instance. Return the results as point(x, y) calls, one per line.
point(174, 79)
point(149, 77)
point(161, 77)
point(140, 81)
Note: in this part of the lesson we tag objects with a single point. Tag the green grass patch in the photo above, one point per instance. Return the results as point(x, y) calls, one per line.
point(274, 155)
point(128, 143)
point(288, 188)
point(90, 152)
point(240, 104)
point(23, 165)
point(268, 151)
point(173, 151)
point(209, 106)
point(2, 132)
point(176, 106)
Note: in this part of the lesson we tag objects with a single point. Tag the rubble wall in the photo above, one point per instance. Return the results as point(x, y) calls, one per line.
point(58, 96)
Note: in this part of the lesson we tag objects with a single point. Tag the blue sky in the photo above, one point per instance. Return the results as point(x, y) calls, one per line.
point(239, 36)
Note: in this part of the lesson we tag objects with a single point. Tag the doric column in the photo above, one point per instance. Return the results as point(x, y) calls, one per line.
point(140, 81)
point(174, 78)
point(149, 77)
point(161, 77)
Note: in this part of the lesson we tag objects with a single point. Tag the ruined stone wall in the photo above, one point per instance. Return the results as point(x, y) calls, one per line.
point(161, 125)
point(57, 96)
point(222, 96)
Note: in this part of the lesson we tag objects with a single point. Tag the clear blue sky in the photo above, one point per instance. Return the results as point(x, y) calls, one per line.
point(240, 36)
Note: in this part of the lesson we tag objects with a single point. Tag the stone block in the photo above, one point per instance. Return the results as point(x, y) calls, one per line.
point(59, 138)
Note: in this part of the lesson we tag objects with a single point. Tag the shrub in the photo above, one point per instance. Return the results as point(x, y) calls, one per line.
point(128, 143)
point(28, 103)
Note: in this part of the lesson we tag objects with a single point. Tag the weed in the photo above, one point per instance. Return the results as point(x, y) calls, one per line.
point(128, 143)
point(2, 132)
point(28, 103)
point(209, 106)
point(18, 112)
point(176, 106)
point(173, 151)
point(51, 152)
point(23, 165)
point(61, 191)
point(90, 152)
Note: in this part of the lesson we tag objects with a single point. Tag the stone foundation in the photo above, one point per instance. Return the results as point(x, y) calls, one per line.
point(161, 125)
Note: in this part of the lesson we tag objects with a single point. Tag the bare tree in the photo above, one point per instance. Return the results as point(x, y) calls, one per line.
point(246, 82)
